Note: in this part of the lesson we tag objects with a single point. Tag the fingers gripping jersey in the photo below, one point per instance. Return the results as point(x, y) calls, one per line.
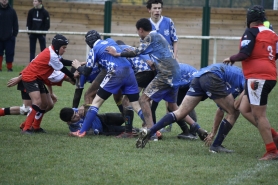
point(42, 66)
point(99, 56)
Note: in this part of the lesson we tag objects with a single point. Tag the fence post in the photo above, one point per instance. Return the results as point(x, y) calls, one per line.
point(107, 18)
point(205, 32)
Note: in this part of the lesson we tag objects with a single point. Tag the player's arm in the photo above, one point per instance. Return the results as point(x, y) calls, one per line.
point(12, 82)
point(174, 38)
point(217, 120)
point(52, 95)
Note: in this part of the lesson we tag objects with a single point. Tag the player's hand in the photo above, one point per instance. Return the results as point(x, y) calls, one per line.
point(54, 98)
point(12, 82)
point(111, 50)
point(75, 63)
point(209, 139)
point(228, 61)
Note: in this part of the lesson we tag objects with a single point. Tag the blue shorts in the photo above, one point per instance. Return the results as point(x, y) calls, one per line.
point(209, 85)
point(158, 91)
point(121, 79)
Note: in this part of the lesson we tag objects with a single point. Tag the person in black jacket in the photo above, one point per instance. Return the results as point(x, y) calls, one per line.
point(8, 32)
point(38, 19)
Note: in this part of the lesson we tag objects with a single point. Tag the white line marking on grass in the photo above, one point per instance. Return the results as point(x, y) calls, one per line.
point(249, 173)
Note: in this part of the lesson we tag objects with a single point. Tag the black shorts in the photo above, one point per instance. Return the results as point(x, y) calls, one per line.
point(36, 85)
point(144, 78)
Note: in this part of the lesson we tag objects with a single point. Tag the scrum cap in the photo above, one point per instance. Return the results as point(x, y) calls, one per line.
point(91, 37)
point(59, 41)
point(254, 14)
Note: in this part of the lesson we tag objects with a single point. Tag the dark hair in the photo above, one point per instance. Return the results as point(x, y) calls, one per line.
point(255, 14)
point(145, 24)
point(66, 114)
point(120, 42)
point(150, 2)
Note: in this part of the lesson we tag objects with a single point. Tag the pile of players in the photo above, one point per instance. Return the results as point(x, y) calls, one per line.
point(115, 68)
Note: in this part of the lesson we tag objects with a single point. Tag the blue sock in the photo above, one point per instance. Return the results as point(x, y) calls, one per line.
point(166, 120)
point(223, 131)
point(140, 114)
point(90, 117)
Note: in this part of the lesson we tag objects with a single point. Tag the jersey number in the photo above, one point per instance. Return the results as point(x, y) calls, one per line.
point(270, 54)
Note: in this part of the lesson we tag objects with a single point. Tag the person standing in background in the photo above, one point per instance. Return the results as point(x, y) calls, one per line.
point(8, 33)
point(38, 19)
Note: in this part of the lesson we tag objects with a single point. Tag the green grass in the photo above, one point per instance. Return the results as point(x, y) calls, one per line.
point(55, 158)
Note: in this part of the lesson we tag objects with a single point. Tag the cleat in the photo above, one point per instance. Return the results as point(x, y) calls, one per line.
point(219, 149)
point(39, 130)
point(27, 132)
point(202, 134)
point(125, 135)
point(135, 131)
point(187, 136)
point(77, 134)
point(144, 136)
point(270, 156)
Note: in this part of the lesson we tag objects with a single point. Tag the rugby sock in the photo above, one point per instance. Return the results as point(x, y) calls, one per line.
point(270, 147)
point(120, 107)
point(9, 65)
point(223, 131)
point(30, 117)
point(2, 112)
point(128, 116)
point(183, 126)
point(1, 60)
point(166, 120)
point(153, 108)
point(38, 119)
point(90, 117)
point(76, 97)
point(140, 114)
point(274, 132)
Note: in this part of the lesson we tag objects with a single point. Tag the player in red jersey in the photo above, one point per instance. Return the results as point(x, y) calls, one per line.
point(36, 74)
point(258, 53)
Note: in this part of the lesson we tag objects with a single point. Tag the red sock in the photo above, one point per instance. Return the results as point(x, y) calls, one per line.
point(9, 65)
point(2, 112)
point(270, 147)
point(30, 119)
point(273, 133)
point(1, 59)
point(37, 121)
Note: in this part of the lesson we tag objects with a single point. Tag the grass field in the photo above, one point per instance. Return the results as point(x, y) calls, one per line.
point(55, 158)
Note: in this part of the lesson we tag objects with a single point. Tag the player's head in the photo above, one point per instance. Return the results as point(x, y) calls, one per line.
point(145, 24)
point(150, 2)
point(4, 3)
point(120, 42)
point(57, 42)
point(91, 37)
point(255, 14)
point(67, 114)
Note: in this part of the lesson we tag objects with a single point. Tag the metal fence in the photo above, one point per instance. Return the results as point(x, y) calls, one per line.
point(268, 4)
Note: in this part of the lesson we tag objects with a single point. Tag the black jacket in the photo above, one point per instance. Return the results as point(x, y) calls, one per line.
point(8, 23)
point(38, 19)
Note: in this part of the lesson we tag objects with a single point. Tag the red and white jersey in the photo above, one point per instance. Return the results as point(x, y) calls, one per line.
point(42, 66)
point(261, 45)
point(56, 78)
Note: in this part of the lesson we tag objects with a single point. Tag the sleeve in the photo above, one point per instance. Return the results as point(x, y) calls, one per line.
point(46, 20)
point(247, 42)
point(29, 20)
point(68, 73)
point(142, 49)
point(66, 62)
point(91, 59)
point(173, 31)
point(15, 25)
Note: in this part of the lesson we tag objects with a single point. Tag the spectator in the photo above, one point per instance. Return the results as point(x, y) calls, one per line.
point(38, 19)
point(8, 33)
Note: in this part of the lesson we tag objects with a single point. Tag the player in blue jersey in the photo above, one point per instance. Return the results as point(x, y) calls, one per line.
point(166, 82)
point(103, 124)
point(163, 25)
point(119, 77)
point(216, 82)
